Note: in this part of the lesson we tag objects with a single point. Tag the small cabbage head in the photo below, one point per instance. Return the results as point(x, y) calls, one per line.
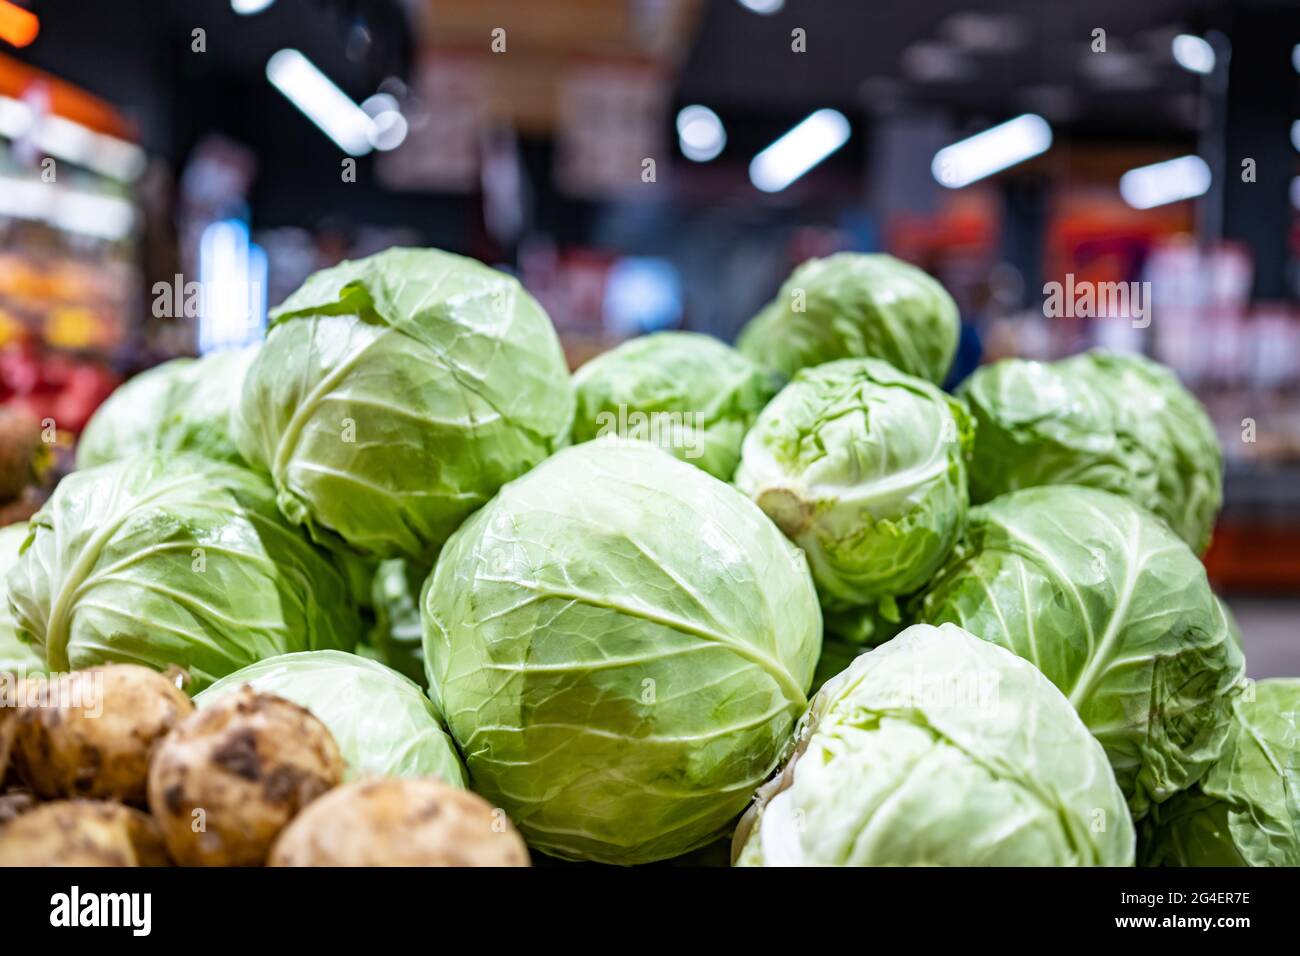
point(1116, 611)
point(173, 560)
point(396, 393)
point(939, 749)
point(1246, 810)
point(621, 645)
point(1121, 423)
point(16, 656)
point(182, 405)
point(688, 393)
point(383, 723)
point(863, 467)
point(854, 305)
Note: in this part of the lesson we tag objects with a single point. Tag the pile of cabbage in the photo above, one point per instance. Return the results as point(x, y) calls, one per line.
point(790, 596)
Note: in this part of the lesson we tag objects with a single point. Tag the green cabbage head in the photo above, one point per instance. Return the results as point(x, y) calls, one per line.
point(383, 723)
point(940, 749)
point(621, 645)
point(1121, 423)
point(1116, 611)
point(855, 305)
point(688, 393)
point(863, 467)
point(1246, 810)
point(182, 405)
point(168, 560)
point(396, 393)
point(16, 656)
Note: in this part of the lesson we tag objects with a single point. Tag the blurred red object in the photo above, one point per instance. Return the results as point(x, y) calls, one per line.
point(50, 385)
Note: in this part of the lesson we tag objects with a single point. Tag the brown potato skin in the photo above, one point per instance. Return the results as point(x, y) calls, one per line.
point(249, 762)
point(91, 732)
point(81, 833)
point(400, 822)
point(8, 725)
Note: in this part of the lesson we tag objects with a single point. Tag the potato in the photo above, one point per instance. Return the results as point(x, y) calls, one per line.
point(400, 822)
point(14, 803)
point(81, 833)
point(227, 779)
point(90, 733)
point(8, 724)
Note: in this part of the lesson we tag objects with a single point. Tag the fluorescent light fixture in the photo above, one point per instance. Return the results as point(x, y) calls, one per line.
point(320, 100)
point(1295, 135)
point(246, 8)
point(1171, 181)
point(65, 139)
point(1193, 53)
point(700, 133)
point(1295, 193)
point(90, 214)
point(1295, 57)
point(799, 150)
point(991, 151)
point(765, 7)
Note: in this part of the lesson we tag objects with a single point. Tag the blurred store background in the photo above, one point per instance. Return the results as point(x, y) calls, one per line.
point(167, 170)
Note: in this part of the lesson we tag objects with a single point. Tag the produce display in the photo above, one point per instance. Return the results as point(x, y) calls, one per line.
point(394, 589)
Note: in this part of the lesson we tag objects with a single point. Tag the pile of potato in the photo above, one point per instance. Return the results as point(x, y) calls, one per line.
point(113, 766)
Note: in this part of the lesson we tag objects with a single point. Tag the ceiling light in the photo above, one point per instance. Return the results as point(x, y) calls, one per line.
point(991, 151)
point(307, 88)
point(799, 150)
point(700, 133)
point(1171, 181)
point(1193, 53)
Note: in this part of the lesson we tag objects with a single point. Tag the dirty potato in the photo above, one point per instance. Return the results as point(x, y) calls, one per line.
point(81, 833)
point(226, 780)
point(90, 733)
point(400, 822)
